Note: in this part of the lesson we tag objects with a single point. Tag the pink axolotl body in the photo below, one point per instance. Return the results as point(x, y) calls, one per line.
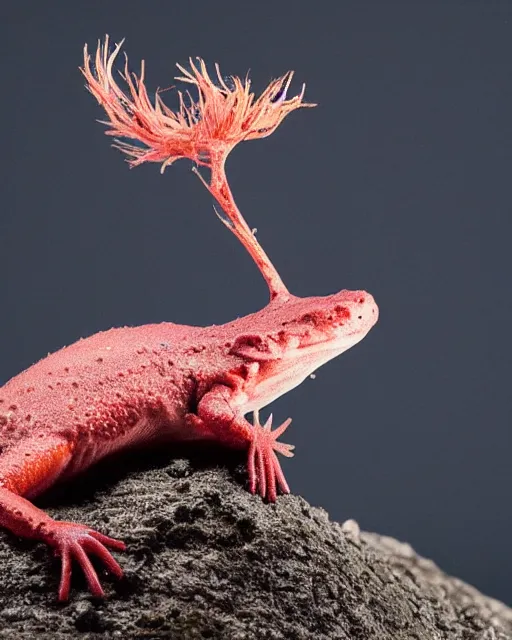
point(165, 382)
point(161, 382)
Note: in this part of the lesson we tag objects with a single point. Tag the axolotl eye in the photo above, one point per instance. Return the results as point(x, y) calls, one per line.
point(342, 313)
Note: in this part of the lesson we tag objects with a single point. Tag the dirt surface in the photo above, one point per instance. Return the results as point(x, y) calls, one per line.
point(206, 559)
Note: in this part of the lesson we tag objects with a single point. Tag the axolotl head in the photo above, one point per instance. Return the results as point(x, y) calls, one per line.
point(291, 338)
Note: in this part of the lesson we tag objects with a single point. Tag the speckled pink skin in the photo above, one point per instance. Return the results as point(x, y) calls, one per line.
point(163, 382)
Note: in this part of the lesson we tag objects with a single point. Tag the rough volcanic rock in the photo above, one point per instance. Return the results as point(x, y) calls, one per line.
point(206, 559)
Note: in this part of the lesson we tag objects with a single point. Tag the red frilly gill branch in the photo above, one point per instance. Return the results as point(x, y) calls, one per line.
point(204, 130)
point(220, 118)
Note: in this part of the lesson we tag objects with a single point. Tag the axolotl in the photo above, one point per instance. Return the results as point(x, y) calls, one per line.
point(160, 383)
point(167, 383)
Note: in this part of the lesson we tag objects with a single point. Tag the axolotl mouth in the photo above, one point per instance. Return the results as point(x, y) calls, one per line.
point(329, 326)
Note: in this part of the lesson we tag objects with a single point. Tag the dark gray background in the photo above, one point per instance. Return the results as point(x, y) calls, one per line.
point(398, 183)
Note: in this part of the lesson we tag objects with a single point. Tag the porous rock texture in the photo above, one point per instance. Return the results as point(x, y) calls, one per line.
point(205, 559)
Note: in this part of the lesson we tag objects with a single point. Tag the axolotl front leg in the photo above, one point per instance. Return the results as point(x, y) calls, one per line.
point(220, 416)
point(27, 468)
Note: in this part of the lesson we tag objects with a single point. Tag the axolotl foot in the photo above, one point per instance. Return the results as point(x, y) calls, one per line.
point(265, 473)
point(74, 542)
